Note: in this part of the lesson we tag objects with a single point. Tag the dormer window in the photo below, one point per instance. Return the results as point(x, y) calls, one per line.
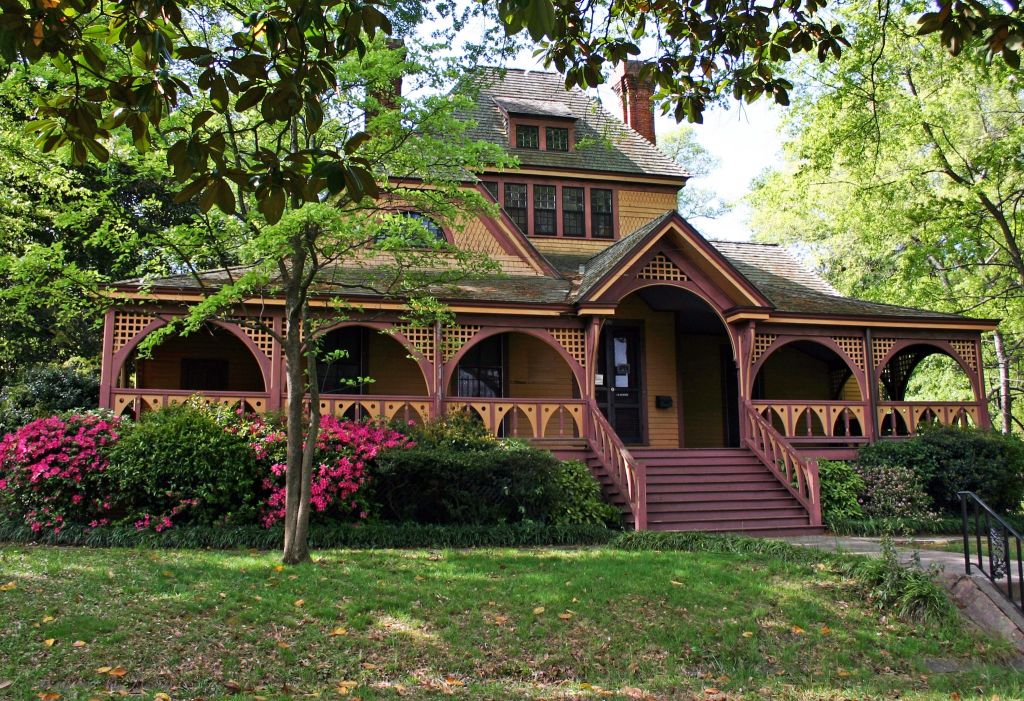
point(556, 138)
point(527, 136)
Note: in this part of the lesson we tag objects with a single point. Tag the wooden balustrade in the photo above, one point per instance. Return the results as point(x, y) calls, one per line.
point(143, 400)
point(525, 418)
point(906, 418)
point(362, 407)
point(628, 475)
point(803, 421)
point(800, 476)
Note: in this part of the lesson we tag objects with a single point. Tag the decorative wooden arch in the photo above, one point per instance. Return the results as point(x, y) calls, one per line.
point(857, 369)
point(944, 347)
point(121, 355)
point(545, 335)
point(420, 352)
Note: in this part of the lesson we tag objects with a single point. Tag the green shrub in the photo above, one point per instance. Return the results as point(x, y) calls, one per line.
point(441, 484)
point(579, 499)
point(841, 488)
point(180, 462)
point(45, 390)
point(459, 430)
point(947, 460)
point(892, 491)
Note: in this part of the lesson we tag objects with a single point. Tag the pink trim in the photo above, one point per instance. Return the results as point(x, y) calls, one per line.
point(941, 346)
point(558, 184)
point(108, 376)
point(821, 341)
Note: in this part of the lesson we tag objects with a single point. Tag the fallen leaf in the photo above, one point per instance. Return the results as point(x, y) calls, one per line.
point(49, 695)
point(367, 665)
point(500, 620)
point(842, 673)
point(78, 643)
point(796, 630)
point(748, 634)
point(453, 681)
point(300, 603)
point(118, 672)
point(232, 686)
point(103, 670)
point(676, 584)
point(538, 611)
point(565, 616)
point(825, 630)
point(8, 587)
point(279, 568)
point(49, 642)
point(167, 573)
point(161, 697)
point(283, 645)
point(339, 631)
point(47, 619)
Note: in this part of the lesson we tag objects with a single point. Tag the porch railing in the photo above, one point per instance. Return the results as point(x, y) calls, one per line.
point(361, 407)
point(142, 400)
point(627, 474)
point(905, 418)
point(797, 474)
point(525, 418)
point(997, 547)
point(809, 421)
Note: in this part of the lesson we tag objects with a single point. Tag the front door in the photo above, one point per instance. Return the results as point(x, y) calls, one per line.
point(618, 380)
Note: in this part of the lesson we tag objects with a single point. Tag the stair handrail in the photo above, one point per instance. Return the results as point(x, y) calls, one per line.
point(798, 474)
point(627, 474)
point(998, 539)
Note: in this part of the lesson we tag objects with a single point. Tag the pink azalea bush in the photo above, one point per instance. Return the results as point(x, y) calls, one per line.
point(345, 452)
point(53, 471)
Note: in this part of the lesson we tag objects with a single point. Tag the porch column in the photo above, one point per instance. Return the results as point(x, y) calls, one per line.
point(107, 379)
point(275, 389)
point(437, 363)
point(981, 396)
point(872, 387)
point(591, 339)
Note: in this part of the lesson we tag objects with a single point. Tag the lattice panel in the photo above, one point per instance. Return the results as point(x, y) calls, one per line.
point(251, 326)
point(421, 338)
point(455, 337)
point(762, 341)
point(968, 351)
point(128, 325)
point(574, 343)
point(661, 267)
point(880, 349)
point(853, 346)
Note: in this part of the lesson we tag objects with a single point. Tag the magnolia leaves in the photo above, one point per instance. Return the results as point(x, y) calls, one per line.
point(957, 23)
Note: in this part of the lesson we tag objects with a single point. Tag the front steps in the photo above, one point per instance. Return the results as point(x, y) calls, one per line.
point(712, 489)
point(718, 489)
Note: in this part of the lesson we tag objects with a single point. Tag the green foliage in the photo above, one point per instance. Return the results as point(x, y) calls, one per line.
point(579, 499)
point(892, 490)
point(947, 460)
point(909, 592)
point(944, 525)
point(369, 536)
point(43, 390)
point(176, 455)
point(841, 488)
point(697, 541)
point(456, 431)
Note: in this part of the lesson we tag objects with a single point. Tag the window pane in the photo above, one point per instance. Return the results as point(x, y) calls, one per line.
point(429, 224)
point(572, 212)
point(480, 372)
point(601, 224)
point(516, 204)
point(527, 136)
point(557, 138)
point(544, 206)
point(491, 187)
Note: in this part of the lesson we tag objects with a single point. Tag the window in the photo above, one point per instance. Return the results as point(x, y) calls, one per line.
point(557, 138)
point(573, 222)
point(601, 223)
point(516, 203)
point(429, 224)
point(491, 187)
point(544, 210)
point(339, 376)
point(479, 373)
point(527, 136)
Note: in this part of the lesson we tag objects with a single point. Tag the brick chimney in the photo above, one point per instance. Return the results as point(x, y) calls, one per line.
point(637, 95)
point(387, 95)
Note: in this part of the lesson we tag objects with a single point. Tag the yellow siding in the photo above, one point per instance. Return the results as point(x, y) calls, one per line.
point(163, 369)
point(637, 207)
point(535, 369)
point(791, 374)
point(703, 410)
point(851, 390)
point(391, 368)
point(659, 370)
point(581, 246)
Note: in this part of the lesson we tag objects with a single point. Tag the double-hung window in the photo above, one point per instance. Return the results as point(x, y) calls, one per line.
point(601, 221)
point(573, 216)
point(545, 210)
point(516, 204)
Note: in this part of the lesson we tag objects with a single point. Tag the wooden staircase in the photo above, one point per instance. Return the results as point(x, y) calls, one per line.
point(718, 489)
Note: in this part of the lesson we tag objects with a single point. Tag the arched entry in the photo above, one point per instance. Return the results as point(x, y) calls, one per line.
point(520, 383)
point(211, 359)
point(927, 382)
point(808, 390)
point(666, 374)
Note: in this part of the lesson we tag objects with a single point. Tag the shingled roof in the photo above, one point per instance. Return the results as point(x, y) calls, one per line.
point(604, 143)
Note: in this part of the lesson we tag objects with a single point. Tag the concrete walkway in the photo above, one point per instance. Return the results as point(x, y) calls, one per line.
point(950, 563)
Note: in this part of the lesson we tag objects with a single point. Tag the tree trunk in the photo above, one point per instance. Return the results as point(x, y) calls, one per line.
point(1005, 400)
point(296, 547)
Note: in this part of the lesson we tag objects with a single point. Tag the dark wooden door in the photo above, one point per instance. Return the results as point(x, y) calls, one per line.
point(618, 380)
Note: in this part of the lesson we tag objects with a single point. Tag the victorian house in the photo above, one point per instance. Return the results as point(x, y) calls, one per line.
point(700, 380)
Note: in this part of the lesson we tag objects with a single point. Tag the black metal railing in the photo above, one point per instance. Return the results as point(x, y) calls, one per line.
point(1001, 555)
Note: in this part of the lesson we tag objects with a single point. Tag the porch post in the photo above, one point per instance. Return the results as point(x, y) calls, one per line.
point(981, 396)
point(872, 387)
point(437, 362)
point(275, 390)
point(591, 339)
point(107, 379)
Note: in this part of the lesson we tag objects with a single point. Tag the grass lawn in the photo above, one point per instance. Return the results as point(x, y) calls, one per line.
point(482, 624)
